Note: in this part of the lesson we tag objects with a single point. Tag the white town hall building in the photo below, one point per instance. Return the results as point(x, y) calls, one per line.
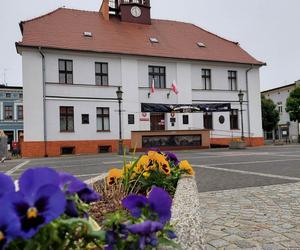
point(74, 62)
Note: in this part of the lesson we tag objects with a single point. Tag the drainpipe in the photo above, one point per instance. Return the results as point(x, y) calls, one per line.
point(248, 104)
point(44, 100)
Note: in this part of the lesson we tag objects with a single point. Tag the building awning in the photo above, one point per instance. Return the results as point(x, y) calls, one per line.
point(185, 108)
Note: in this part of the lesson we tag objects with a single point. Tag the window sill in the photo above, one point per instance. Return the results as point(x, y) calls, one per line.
point(67, 131)
point(103, 131)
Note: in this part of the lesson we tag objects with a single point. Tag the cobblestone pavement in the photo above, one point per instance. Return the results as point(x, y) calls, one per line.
point(252, 218)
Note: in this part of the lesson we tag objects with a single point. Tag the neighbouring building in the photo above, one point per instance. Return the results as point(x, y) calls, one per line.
point(74, 62)
point(11, 112)
point(287, 129)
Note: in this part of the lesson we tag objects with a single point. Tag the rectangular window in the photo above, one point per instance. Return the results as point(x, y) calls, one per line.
point(232, 79)
point(234, 119)
point(8, 95)
point(103, 123)
point(66, 119)
point(206, 79)
point(208, 120)
point(21, 95)
point(20, 112)
point(101, 74)
point(8, 112)
point(280, 107)
point(130, 119)
point(65, 71)
point(158, 74)
point(185, 119)
point(85, 119)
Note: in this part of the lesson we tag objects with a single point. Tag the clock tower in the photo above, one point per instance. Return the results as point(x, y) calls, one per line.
point(133, 11)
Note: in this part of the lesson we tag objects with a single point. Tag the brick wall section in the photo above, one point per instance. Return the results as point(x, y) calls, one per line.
point(252, 142)
point(37, 149)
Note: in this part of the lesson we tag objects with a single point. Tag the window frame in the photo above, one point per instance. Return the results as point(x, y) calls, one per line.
point(5, 106)
point(161, 84)
point(234, 119)
point(20, 118)
point(66, 115)
point(206, 123)
point(206, 79)
point(233, 80)
point(66, 72)
point(101, 74)
point(102, 116)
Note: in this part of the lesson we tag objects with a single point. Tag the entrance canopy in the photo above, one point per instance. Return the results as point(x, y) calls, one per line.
point(185, 108)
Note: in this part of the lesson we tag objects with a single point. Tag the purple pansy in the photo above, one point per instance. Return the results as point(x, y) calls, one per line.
point(6, 185)
point(159, 201)
point(9, 224)
point(147, 231)
point(39, 200)
point(172, 158)
point(71, 185)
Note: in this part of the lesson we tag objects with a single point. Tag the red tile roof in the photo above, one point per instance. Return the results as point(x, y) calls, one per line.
point(64, 28)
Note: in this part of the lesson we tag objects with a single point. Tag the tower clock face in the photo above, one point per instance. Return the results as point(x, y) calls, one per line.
point(136, 11)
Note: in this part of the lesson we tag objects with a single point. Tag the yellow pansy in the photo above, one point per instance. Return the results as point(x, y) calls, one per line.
point(185, 165)
point(165, 168)
point(114, 175)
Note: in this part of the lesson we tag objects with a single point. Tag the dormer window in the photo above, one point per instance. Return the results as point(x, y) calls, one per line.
point(88, 34)
point(153, 40)
point(201, 45)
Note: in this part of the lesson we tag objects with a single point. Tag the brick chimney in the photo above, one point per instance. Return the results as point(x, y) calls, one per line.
point(104, 9)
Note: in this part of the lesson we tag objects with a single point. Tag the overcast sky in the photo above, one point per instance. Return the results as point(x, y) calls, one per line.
point(267, 29)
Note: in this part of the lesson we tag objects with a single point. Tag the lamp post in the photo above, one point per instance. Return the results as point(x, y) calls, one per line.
point(241, 99)
point(119, 93)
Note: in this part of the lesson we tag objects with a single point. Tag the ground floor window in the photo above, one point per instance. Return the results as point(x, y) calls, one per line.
point(103, 123)
point(234, 119)
point(66, 119)
point(208, 120)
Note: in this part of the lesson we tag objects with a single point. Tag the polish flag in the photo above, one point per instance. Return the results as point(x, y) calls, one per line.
point(174, 88)
point(152, 90)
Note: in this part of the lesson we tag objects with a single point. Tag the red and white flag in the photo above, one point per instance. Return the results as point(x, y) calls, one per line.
point(152, 90)
point(174, 88)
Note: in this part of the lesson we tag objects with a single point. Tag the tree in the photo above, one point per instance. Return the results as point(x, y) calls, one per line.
point(270, 115)
point(293, 105)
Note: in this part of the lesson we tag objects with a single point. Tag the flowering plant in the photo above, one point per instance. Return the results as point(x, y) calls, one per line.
point(50, 210)
point(155, 168)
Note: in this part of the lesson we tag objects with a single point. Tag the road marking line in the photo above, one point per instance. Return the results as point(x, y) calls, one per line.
point(11, 171)
point(249, 173)
point(251, 162)
point(95, 179)
point(111, 162)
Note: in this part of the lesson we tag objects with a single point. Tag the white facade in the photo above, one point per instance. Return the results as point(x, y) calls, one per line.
point(287, 129)
point(131, 73)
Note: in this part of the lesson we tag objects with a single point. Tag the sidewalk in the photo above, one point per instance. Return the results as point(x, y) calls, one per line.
point(252, 218)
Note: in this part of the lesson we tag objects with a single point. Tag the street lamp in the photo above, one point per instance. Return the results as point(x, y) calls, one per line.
point(241, 99)
point(119, 93)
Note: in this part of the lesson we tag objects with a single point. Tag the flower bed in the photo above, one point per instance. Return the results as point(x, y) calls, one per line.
point(133, 207)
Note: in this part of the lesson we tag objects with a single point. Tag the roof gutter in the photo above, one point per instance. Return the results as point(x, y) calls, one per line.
point(44, 100)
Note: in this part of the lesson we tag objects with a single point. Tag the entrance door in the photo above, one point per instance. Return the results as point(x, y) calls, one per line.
point(10, 137)
point(157, 121)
